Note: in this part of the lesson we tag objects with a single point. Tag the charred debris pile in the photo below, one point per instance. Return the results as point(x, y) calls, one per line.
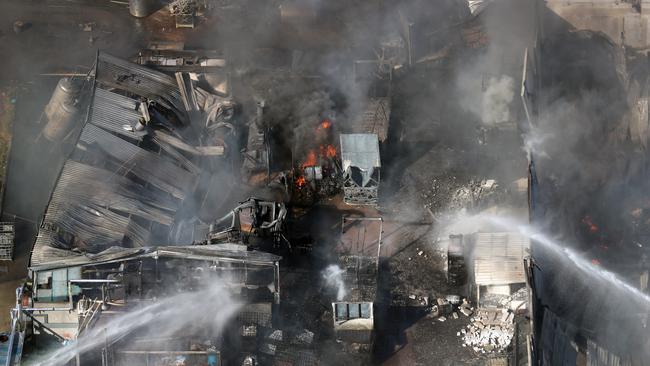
point(183, 177)
point(260, 181)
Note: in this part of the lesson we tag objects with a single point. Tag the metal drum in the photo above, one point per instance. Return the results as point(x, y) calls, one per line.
point(61, 111)
point(143, 8)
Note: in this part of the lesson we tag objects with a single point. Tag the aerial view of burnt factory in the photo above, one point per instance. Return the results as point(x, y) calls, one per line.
point(324, 182)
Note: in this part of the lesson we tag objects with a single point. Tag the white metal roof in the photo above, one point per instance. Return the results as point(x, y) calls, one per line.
point(360, 150)
point(498, 258)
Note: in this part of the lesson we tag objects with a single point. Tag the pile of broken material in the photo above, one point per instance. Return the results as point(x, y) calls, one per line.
point(491, 331)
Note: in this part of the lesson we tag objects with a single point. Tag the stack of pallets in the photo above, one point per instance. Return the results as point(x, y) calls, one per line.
point(7, 234)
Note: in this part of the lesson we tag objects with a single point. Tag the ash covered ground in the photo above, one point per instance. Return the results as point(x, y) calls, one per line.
point(454, 146)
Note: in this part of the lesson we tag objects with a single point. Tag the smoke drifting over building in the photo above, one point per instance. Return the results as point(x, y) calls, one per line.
point(325, 182)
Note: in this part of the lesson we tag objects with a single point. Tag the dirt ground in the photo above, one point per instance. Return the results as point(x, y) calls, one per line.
point(7, 302)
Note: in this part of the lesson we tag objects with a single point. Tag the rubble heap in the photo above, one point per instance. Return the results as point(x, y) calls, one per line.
point(516, 301)
point(491, 331)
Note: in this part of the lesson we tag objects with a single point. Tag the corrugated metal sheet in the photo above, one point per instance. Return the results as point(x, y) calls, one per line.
point(599, 356)
point(94, 207)
point(196, 252)
point(142, 81)
point(155, 169)
point(89, 185)
point(79, 207)
point(48, 248)
point(498, 258)
point(360, 150)
point(93, 226)
point(112, 112)
point(556, 342)
point(374, 119)
point(85, 203)
point(180, 158)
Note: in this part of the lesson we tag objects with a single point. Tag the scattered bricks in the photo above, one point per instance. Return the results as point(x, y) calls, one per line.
point(453, 299)
point(490, 331)
point(305, 337)
point(504, 316)
point(276, 335)
point(466, 311)
point(435, 311)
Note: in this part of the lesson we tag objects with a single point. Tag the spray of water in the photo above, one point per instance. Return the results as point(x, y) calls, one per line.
point(333, 276)
point(563, 253)
point(211, 307)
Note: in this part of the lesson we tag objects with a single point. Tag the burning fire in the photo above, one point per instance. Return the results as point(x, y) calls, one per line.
point(311, 160)
point(314, 156)
point(301, 181)
point(590, 224)
point(325, 151)
point(328, 151)
point(324, 125)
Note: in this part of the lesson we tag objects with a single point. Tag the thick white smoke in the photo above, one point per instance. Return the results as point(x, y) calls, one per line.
point(497, 99)
point(333, 276)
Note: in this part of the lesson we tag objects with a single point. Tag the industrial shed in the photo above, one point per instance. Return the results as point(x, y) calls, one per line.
point(361, 168)
point(498, 262)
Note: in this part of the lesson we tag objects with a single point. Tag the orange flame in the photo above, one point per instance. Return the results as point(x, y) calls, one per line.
point(312, 160)
point(324, 125)
point(328, 151)
point(301, 181)
point(590, 224)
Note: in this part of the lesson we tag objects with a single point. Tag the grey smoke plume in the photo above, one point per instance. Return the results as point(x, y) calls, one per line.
point(488, 98)
point(333, 276)
point(497, 98)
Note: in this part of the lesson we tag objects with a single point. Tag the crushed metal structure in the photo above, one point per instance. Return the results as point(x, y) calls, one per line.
point(148, 144)
point(127, 177)
point(252, 223)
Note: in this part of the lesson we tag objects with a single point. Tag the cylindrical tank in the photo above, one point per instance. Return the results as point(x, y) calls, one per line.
point(61, 112)
point(143, 8)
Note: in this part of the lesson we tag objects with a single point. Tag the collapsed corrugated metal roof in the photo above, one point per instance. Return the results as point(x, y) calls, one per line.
point(498, 258)
point(194, 252)
point(161, 172)
point(117, 73)
point(112, 112)
point(121, 182)
point(374, 118)
point(360, 150)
